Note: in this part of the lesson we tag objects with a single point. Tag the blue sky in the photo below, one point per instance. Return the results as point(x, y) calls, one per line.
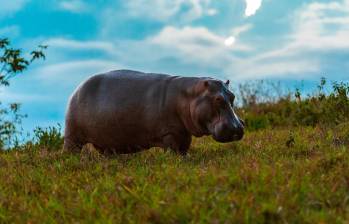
point(228, 39)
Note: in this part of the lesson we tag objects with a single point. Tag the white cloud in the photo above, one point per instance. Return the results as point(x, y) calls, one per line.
point(241, 29)
point(252, 6)
point(191, 47)
point(11, 6)
point(9, 96)
point(322, 26)
point(319, 29)
point(74, 71)
point(164, 10)
point(69, 44)
point(75, 6)
point(196, 44)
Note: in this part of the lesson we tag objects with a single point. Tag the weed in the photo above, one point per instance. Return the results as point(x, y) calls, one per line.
point(48, 138)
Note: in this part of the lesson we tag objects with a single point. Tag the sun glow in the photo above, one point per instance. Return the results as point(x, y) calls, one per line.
point(252, 6)
point(229, 41)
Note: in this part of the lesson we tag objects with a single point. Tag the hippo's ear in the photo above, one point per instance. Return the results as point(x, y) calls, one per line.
point(227, 82)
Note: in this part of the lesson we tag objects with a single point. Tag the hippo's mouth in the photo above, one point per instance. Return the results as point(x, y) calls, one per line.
point(201, 130)
point(211, 126)
point(197, 128)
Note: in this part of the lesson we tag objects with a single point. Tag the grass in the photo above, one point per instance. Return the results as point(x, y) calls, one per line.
point(280, 175)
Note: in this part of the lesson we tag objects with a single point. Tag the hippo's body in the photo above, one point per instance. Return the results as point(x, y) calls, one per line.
point(127, 111)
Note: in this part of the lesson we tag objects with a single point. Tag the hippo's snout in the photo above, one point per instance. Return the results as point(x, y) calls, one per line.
point(228, 132)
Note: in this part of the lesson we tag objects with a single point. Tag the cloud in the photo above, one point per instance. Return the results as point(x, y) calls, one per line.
point(186, 10)
point(9, 96)
point(192, 44)
point(74, 71)
point(69, 61)
point(236, 31)
point(319, 30)
point(75, 6)
point(11, 6)
point(231, 40)
point(322, 26)
point(69, 44)
point(195, 44)
point(252, 6)
point(171, 47)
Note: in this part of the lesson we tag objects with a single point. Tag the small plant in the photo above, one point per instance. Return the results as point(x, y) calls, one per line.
point(10, 119)
point(48, 138)
point(290, 140)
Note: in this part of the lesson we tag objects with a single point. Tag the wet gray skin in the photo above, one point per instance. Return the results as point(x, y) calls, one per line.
point(126, 111)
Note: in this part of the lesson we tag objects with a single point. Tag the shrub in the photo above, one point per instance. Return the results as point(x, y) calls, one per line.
point(320, 108)
point(48, 138)
point(13, 62)
point(10, 119)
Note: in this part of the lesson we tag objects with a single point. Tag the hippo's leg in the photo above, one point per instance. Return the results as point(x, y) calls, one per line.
point(71, 145)
point(178, 143)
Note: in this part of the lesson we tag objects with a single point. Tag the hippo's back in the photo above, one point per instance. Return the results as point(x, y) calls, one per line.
point(121, 83)
point(119, 89)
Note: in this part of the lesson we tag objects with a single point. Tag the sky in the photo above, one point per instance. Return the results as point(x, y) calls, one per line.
point(239, 40)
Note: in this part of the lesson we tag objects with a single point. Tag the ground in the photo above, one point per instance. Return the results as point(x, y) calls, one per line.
point(285, 175)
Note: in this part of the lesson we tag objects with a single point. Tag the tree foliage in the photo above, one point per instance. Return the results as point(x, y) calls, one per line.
point(13, 62)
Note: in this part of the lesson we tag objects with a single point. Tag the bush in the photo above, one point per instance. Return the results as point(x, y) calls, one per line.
point(320, 108)
point(48, 138)
point(13, 62)
point(10, 119)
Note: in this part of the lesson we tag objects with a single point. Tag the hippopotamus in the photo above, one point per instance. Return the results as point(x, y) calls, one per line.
point(126, 111)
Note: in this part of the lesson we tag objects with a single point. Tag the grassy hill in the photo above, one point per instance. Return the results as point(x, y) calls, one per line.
point(291, 167)
point(293, 175)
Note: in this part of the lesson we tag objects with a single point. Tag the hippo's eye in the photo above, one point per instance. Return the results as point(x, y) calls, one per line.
point(219, 100)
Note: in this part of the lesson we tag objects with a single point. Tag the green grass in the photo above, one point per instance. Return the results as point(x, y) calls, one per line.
point(297, 175)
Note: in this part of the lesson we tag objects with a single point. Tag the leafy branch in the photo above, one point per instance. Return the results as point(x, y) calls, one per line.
point(12, 61)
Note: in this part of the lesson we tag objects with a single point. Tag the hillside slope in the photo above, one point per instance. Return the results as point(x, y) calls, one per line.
point(273, 175)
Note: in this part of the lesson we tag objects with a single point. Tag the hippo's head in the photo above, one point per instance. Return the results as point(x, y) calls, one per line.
point(212, 111)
